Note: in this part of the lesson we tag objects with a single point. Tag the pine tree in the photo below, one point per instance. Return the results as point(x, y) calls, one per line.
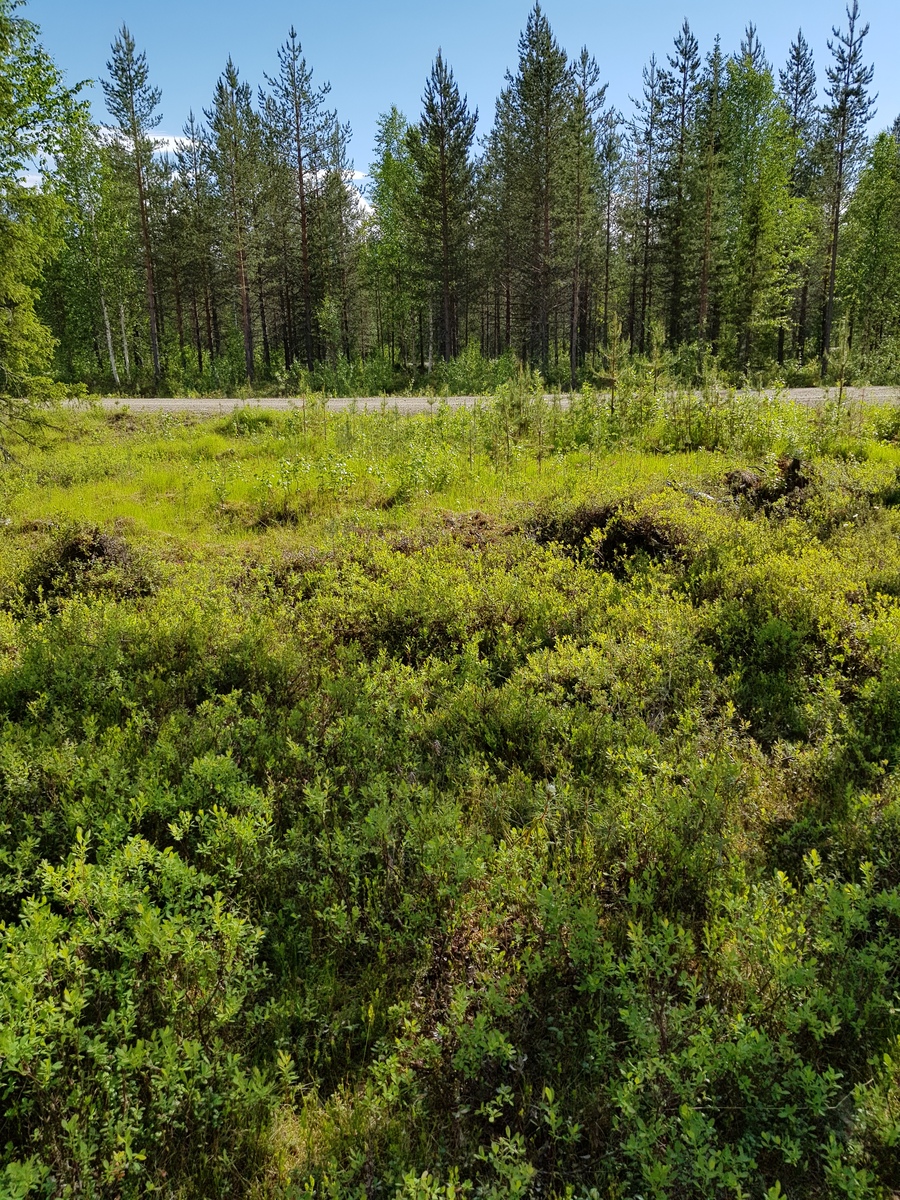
point(680, 87)
point(195, 197)
point(761, 218)
point(611, 158)
point(710, 138)
point(498, 237)
point(845, 117)
point(341, 223)
point(233, 155)
point(132, 103)
point(797, 88)
point(440, 146)
point(301, 122)
point(585, 130)
point(645, 137)
point(279, 270)
point(534, 109)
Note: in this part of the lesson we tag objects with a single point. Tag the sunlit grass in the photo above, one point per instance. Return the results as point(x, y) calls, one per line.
point(207, 478)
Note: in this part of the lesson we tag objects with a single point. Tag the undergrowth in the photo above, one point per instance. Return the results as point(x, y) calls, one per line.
point(491, 804)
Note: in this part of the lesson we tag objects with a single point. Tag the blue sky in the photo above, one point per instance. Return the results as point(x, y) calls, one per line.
point(378, 54)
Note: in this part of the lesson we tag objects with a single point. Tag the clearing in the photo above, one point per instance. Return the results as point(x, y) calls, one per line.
point(494, 803)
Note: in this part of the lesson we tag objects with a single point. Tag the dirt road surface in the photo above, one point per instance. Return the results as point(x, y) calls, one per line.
point(408, 405)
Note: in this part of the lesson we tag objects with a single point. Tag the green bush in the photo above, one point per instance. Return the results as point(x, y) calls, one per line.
point(448, 808)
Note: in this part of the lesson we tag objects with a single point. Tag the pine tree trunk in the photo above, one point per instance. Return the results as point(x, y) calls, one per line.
point(832, 268)
point(606, 264)
point(573, 332)
point(576, 283)
point(802, 332)
point(246, 318)
point(197, 339)
point(677, 283)
point(148, 268)
point(632, 306)
point(446, 283)
point(304, 236)
point(267, 357)
point(285, 332)
point(645, 266)
point(212, 314)
point(706, 261)
point(545, 284)
point(179, 319)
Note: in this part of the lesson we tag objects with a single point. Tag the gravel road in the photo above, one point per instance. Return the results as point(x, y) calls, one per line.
point(407, 405)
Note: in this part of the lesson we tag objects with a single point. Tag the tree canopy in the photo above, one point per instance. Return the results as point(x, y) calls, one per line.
point(38, 116)
point(717, 222)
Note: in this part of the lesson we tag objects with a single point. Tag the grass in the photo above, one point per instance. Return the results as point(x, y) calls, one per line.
point(494, 804)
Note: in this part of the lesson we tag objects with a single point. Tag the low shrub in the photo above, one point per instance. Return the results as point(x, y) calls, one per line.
point(535, 833)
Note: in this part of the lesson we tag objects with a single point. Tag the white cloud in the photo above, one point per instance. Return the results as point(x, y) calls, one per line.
point(166, 143)
point(362, 204)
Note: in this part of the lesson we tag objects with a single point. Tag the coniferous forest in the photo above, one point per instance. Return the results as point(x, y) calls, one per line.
point(739, 215)
point(495, 802)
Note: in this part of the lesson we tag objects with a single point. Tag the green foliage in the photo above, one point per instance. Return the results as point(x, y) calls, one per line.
point(36, 115)
point(870, 270)
point(449, 807)
point(83, 559)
